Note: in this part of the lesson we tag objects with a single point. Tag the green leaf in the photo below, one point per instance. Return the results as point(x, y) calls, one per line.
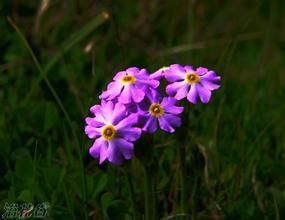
point(24, 174)
point(76, 38)
point(106, 200)
point(25, 196)
point(101, 184)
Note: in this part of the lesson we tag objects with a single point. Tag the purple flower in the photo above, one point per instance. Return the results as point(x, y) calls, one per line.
point(154, 109)
point(129, 86)
point(194, 84)
point(131, 108)
point(157, 75)
point(113, 131)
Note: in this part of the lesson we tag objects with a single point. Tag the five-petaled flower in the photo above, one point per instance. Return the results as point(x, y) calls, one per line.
point(113, 131)
point(157, 110)
point(194, 84)
point(129, 86)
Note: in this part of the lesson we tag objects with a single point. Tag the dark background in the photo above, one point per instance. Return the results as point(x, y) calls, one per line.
point(56, 56)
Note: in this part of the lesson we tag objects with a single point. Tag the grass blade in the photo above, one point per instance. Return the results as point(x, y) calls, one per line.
point(69, 44)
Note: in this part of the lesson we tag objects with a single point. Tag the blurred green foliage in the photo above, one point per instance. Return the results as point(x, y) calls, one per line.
point(235, 155)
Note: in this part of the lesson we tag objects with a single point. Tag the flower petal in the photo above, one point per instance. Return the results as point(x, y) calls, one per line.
point(156, 75)
point(94, 151)
point(192, 95)
point(92, 132)
point(177, 68)
point(126, 96)
point(168, 101)
point(175, 110)
point(100, 118)
point(201, 71)
point(175, 73)
point(149, 82)
point(150, 124)
point(154, 96)
point(93, 122)
point(113, 90)
point(174, 120)
point(209, 84)
point(126, 148)
point(165, 125)
point(133, 70)
point(103, 153)
point(118, 113)
point(95, 108)
point(119, 75)
point(142, 74)
point(128, 121)
point(182, 92)
point(107, 111)
point(137, 94)
point(113, 152)
point(130, 134)
point(204, 94)
point(211, 75)
point(189, 69)
point(172, 89)
point(168, 104)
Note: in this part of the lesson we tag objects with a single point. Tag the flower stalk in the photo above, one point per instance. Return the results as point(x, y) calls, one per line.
point(183, 139)
point(148, 163)
point(149, 193)
point(182, 151)
point(133, 198)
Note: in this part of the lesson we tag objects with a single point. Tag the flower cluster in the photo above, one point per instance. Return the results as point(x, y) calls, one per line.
point(133, 104)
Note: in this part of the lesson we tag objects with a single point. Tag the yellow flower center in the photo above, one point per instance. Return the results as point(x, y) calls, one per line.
point(156, 110)
point(128, 79)
point(109, 132)
point(192, 78)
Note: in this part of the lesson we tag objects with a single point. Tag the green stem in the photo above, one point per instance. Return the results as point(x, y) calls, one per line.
point(183, 140)
point(149, 194)
point(182, 179)
point(133, 197)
